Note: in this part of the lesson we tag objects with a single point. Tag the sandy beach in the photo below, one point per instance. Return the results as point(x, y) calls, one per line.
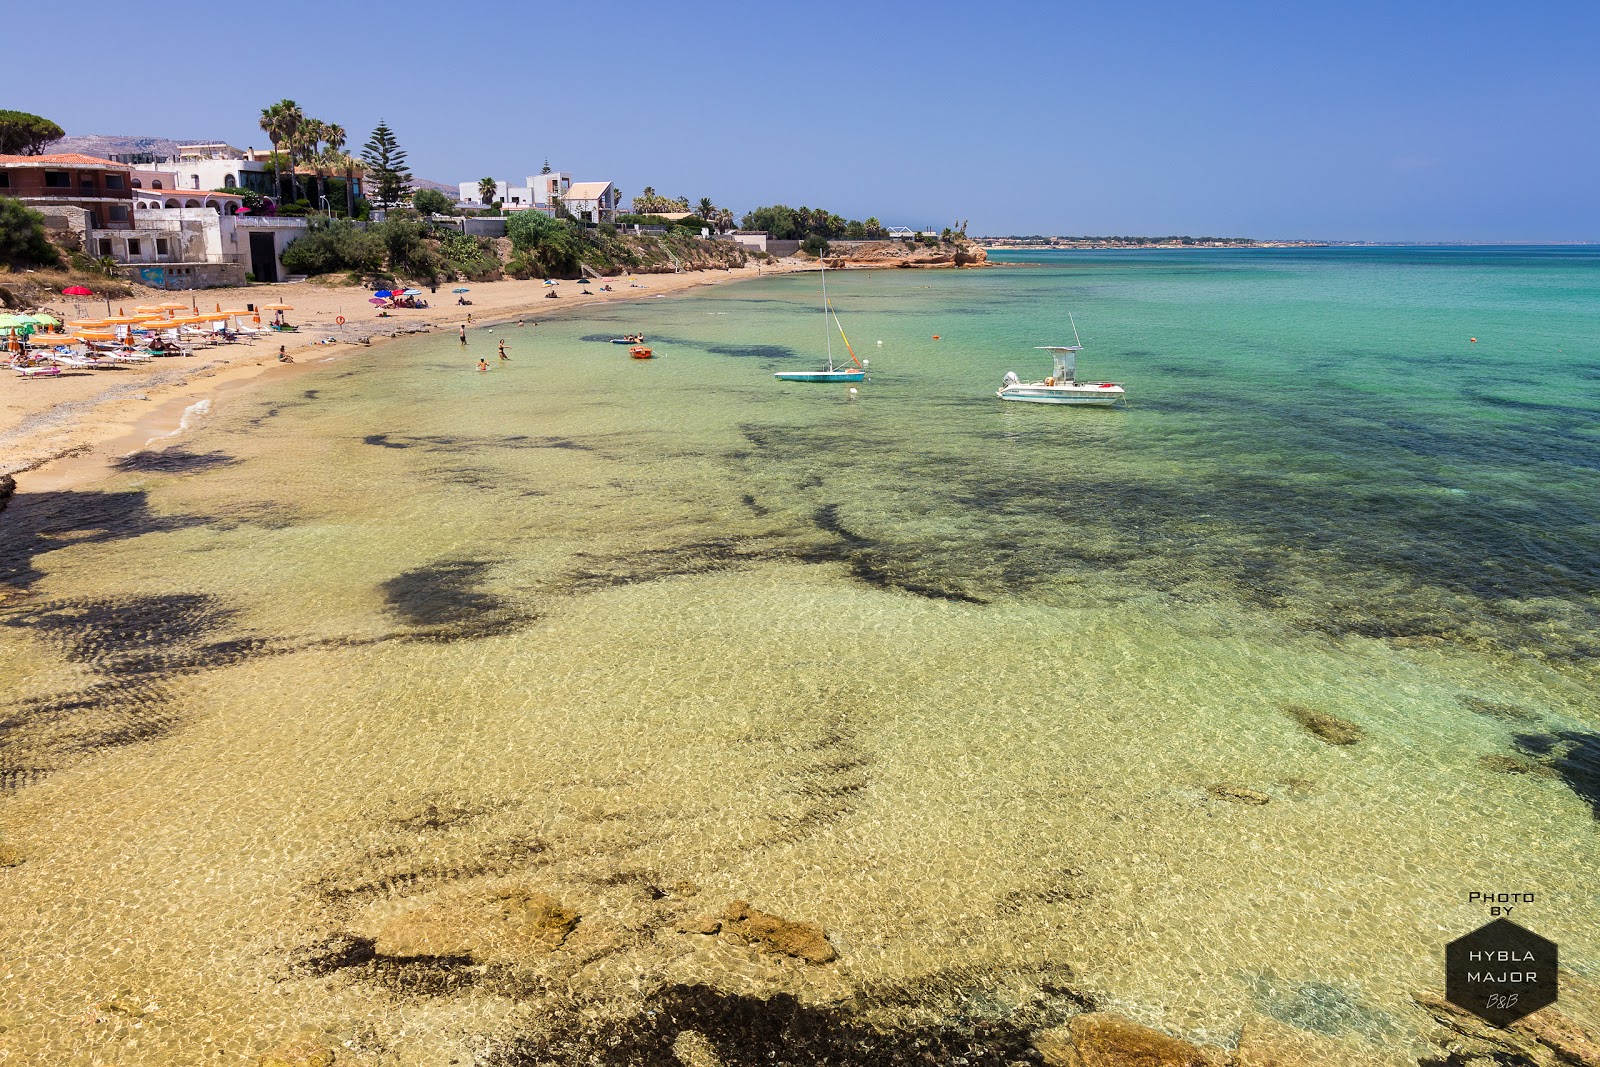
point(64, 431)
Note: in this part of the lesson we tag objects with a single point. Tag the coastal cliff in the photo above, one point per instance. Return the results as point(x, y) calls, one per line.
point(950, 252)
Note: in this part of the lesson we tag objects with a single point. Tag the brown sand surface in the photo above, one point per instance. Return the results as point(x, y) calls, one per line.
point(61, 431)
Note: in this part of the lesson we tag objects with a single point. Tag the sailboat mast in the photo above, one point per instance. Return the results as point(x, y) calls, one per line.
point(827, 334)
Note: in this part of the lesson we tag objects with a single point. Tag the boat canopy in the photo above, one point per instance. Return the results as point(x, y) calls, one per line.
point(1066, 360)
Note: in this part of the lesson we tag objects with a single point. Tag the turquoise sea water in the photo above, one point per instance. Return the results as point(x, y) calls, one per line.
point(1020, 704)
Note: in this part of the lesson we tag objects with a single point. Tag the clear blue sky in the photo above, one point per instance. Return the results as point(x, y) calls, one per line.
point(1395, 120)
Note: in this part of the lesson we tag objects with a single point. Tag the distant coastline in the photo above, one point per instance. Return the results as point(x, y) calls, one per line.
point(1003, 243)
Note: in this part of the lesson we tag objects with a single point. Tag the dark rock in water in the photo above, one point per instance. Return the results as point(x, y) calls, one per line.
point(1098, 1039)
point(1237, 794)
point(9, 856)
point(744, 925)
point(1328, 728)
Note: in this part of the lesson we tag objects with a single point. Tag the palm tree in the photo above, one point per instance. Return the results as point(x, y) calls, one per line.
point(705, 209)
point(272, 126)
point(487, 188)
point(310, 138)
point(292, 118)
point(334, 136)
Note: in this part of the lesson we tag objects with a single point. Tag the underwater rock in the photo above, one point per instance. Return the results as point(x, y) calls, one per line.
point(1268, 1042)
point(298, 1054)
point(1098, 1039)
point(507, 924)
point(744, 925)
point(1548, 1037)
point(700, 924)
point(1237, 794)
point(9, 856)
point(1328, 728)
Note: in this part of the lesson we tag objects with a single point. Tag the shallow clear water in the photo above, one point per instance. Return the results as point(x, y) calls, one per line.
point(1011, 700)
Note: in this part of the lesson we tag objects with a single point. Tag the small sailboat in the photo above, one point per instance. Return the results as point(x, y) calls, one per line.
point(857, 373)
point(1062, 387)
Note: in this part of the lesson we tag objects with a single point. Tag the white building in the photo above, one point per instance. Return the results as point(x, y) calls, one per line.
point(591, 201)
point(536, 192)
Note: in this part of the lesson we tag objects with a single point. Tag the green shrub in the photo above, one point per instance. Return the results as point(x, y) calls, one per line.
point(23, 242)
point(333, 245)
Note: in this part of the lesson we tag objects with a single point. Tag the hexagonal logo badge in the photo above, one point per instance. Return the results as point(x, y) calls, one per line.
point(1500, 972)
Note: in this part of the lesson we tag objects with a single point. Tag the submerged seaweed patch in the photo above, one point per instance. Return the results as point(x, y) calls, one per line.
point(36, 523)
point(740, 1030)
point(174, 461)
point(471, 444)
point(446, 601)
point(137, 644)
point(1574, 755)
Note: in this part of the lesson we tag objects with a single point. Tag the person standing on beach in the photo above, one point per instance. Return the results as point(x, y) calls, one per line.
point(463, 335)
point(503, 355)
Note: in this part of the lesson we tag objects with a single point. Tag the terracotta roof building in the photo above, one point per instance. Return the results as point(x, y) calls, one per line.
point(98, 186)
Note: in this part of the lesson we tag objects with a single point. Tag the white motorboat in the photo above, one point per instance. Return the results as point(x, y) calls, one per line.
point(1063, 386)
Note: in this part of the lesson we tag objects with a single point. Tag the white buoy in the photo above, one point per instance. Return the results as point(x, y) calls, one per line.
point(852, 390)
point(880, 344)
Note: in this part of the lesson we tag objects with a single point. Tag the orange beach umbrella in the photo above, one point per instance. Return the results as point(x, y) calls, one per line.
point(278, 307)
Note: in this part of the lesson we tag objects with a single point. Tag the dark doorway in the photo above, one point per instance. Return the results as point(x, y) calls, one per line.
point(263, 257)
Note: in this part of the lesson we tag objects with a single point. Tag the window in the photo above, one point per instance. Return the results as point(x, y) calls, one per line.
point(156, 184)
point(5, 179)
point(133, 246)
point(118, 213)
point(105, 246)
point(137, 184)
point(161, 246)
point(113, 181)
point(86, 181)
point(57, 179)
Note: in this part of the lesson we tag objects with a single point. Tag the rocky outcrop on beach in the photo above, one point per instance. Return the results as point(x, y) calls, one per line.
point(955, 252)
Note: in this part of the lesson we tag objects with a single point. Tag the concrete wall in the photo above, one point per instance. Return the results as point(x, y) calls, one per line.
point(474, 226)
point(236, 230)
point(782, 248)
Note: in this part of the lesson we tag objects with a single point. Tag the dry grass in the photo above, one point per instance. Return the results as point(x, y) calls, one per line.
point(42, 287)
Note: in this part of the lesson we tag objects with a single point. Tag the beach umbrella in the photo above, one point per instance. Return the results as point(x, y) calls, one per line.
point(278, 307)
point(463, 289)
point(174, 307)
point(411, 292)
point(384, 292)
point(77, 290)
point(376, 300)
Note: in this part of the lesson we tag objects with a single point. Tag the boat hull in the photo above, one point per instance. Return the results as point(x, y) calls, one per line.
point(1096, 396)
point(821, 376)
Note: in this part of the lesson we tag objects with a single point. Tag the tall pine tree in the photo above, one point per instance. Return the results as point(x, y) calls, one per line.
point(388, 177)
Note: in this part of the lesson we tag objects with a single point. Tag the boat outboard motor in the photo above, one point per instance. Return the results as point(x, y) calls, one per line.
point(1010, 379)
